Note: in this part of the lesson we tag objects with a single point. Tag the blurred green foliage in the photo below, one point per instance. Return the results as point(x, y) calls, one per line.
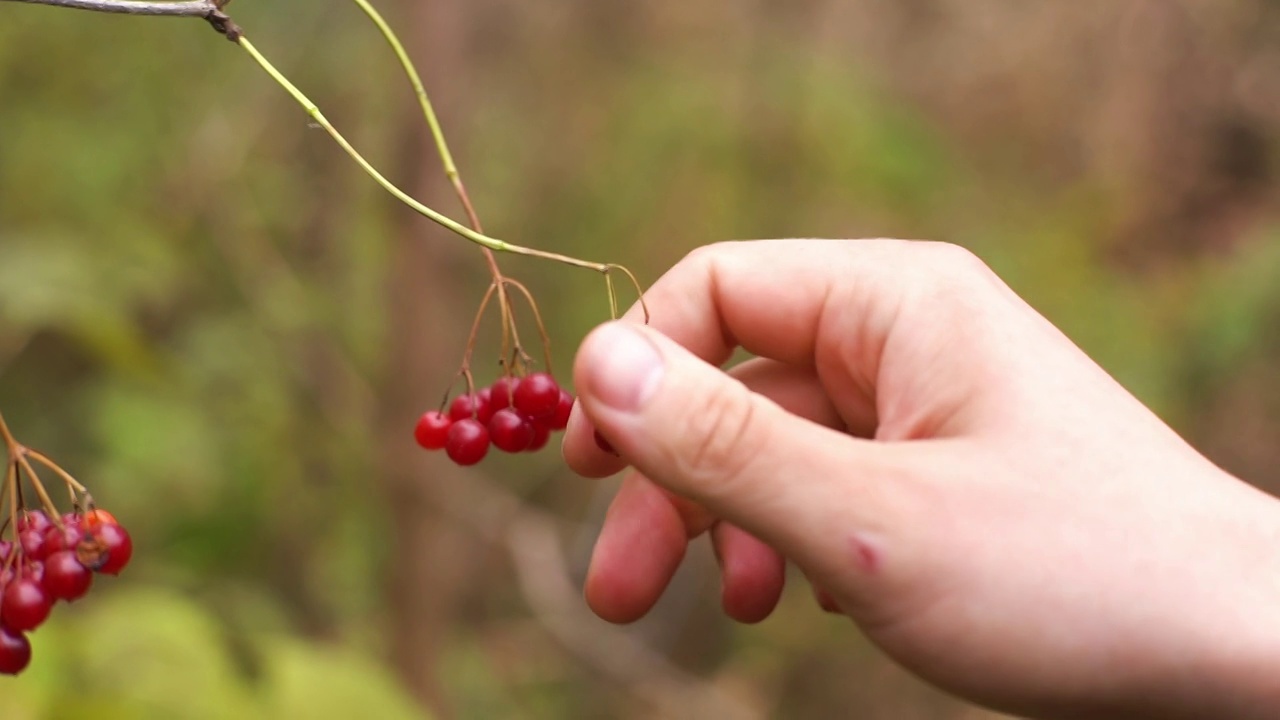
point(194, 302)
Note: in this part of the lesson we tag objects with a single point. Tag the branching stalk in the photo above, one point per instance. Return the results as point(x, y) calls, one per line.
point(186, 8)
point(449, 223)
point(66, 476)
point(50, 509)
point(11, 492)
point(10, 443)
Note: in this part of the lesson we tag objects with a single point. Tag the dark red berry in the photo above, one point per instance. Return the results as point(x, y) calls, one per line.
point(468, 442)
point(34, 571)
point(502, 393)
point(537, 395)
point(32, 542)
point(15, 651)
point(64, 577)
point(65, 539)
point(510, 432)
point(541, 434)
point(604, 444)
point(24, 605)
point(106, 550)
point(560, 418)
point(465, 406)
point(432, 430)
point(34, 520)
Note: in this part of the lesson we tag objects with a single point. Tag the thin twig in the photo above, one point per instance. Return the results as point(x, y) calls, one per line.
point(66, 476)
point(450, 168)
point(10, 442)
point(49, 507)
point(186, 8)
point(480, 239)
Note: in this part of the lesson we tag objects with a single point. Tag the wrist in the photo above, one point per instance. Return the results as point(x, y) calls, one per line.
point(1238, 630)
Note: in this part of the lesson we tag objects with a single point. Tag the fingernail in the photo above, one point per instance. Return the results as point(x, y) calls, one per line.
point(625, 367)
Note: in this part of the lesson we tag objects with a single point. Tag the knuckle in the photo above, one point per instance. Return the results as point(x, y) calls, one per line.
point(958, 264)
point(957, 260)
point(722, 437)
point(952, 276)
point(705, 255)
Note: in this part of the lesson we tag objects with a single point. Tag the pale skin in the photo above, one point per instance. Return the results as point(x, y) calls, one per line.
point(951, 472)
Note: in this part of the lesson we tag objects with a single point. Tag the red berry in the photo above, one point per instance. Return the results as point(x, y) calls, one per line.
point(502, 393)
point(468, 442)
point(537, 395)
point(510, 432)
point(95, 517)
point(604, 444)
point(64, 577)
point(432, 430)
point(15, 651)
point(24, 605)
point(560, 418)
point(465, 406)
point(541, 434)
point(34, 520)
point(34, 571)
point(107, 549)
point(65, 539)
point(32, 542)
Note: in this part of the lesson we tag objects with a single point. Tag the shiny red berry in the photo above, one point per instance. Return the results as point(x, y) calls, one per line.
point(502, 393)
point(24, 605)
point(541, 434)
point(64, 577)
point(112, 546)
point(34, 520)
point(537, 395)
point(468, 442)
point(432, 430)
point(510, 432)
point(32, 542)
point(560, 418)
point(15, 651)
point(34, 571)
point(65, 539)
point(467, 406)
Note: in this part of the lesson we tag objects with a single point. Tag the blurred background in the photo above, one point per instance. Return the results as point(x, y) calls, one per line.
point(227, 331)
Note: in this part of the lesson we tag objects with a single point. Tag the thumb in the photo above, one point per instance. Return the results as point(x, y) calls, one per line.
point(689, 427)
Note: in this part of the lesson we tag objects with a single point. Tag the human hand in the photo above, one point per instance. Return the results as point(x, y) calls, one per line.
point(986, 503)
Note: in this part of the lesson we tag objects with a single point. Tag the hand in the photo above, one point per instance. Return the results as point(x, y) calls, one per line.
point(986, 503)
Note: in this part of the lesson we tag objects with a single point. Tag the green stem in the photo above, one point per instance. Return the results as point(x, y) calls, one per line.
point(483, 240)
point(418, 88)
point(450, 169)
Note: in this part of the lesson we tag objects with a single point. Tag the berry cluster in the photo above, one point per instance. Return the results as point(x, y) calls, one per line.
point(513, 414)
point(51, 560)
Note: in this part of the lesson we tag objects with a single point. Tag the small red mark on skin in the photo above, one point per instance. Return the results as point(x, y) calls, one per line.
point(866, 555)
